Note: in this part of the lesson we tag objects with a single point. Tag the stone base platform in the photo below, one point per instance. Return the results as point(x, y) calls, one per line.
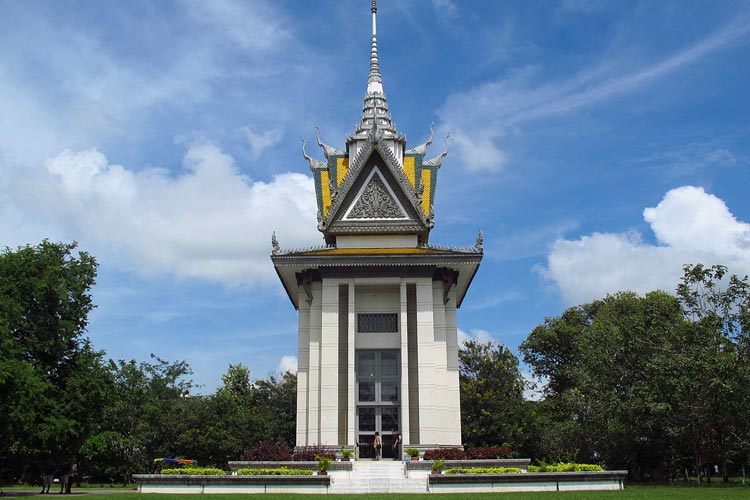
point(384, 477)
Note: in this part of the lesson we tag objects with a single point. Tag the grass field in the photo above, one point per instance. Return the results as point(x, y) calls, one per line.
point(630, 493)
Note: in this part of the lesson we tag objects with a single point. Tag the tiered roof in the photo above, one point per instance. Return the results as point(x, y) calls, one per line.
point(398, 196)
point(376, 187)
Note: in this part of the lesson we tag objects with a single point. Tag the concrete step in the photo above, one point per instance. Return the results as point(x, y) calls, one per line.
point(378, 477)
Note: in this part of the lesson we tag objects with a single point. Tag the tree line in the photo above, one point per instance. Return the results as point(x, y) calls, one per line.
point(63, 402)
point(656, 384)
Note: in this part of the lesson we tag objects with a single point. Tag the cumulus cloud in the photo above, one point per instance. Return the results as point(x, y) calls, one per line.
point(288, 364)
point(690, 226)
point(209, 221)
point(477, 335)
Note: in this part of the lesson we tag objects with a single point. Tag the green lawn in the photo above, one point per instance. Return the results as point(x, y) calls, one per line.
point(730, 492)
point(630, 493)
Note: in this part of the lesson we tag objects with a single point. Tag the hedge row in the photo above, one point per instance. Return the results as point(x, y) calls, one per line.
point(565, 467)
point(195, 471)
point(283, 471)
point(274, 452)
point(484, 470)
point(488, 452)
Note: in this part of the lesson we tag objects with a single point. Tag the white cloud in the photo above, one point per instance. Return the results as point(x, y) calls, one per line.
point(259, 142)
point(477, 335)
point(287, 364)
point(690, 226)
point(208, 222)
point(480, 116)
point(490, 301)
point(255, 25)
point(446, 10)
point(73, 85)
point(478, 150)
point(721, 156)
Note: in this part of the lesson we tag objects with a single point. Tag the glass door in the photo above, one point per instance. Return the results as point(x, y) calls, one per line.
point(378, 399)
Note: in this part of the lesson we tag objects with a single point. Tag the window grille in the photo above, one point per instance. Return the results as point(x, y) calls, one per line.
point(377, 323)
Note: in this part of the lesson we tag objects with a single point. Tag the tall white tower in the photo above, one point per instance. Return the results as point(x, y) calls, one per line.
point(378, 346)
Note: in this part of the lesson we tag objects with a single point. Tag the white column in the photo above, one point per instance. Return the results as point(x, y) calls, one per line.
point(453, 419)
point(313, 391)
point(441, 400)
point(303, 368)
point(351, 436)
point(404, 365)
point(329, 357)
point(426, 363)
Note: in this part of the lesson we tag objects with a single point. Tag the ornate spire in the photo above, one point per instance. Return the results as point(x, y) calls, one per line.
point(374, 79)
point(375, 105)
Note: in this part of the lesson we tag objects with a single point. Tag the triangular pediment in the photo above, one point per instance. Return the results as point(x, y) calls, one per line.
point(375, 200)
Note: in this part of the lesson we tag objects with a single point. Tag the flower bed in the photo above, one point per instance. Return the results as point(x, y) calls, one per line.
point(281, 471)
point(484, 470)
point(194, 471)
point(565, 467)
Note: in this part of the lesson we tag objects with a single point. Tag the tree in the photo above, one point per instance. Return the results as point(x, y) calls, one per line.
point(140, 416)
point(491, 394)
point(718, 307)
point(52, 382)
point(653, 384)
point(275, 402)
point(606, 396)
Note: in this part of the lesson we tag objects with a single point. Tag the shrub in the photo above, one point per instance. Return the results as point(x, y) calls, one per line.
point(323, 462)
point(565, 467)
point(484, 470)
point(445, 454)
point(268, 451)
point(309, 453)
point(489, 452)
point(283, 471)
point(412, 452)
point(438, 464)
point(195, 471)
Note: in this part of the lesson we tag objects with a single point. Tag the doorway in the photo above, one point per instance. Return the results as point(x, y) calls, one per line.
point(378, 400)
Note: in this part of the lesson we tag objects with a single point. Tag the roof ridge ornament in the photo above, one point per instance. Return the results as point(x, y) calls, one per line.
point(328, 151)
point(314, 164)
point(438, 160)
point(375, 134)
point(275, 249)
point(422, 148)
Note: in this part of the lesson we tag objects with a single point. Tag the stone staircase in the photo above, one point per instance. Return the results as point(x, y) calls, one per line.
point(377, 477)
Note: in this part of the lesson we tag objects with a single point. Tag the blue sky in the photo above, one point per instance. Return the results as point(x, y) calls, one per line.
point(599, 146)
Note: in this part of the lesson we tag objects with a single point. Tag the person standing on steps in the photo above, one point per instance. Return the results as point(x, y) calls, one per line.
point(396, 446)
point(378, 444)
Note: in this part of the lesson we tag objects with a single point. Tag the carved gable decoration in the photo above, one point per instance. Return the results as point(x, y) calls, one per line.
point(375, 200)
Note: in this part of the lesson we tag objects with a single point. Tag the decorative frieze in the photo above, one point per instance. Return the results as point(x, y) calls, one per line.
point(376, 203)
